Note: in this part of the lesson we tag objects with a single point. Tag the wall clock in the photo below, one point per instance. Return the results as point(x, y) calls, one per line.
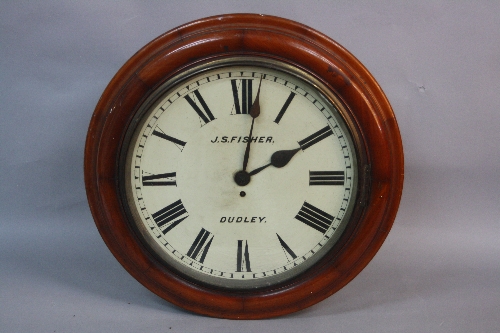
point(243, 166)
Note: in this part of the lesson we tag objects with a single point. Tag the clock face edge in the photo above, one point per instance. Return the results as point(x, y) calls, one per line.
point(174, 179)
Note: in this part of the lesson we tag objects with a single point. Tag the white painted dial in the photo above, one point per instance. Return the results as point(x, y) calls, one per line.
point(190, 143)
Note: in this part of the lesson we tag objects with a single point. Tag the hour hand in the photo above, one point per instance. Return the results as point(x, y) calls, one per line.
point(278, 160)
point(281, 158)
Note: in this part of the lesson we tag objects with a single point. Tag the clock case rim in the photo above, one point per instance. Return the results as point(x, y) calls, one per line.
point(261, 36)
point(273, 282)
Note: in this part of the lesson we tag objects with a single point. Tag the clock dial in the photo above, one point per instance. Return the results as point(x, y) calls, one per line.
point(234, 209)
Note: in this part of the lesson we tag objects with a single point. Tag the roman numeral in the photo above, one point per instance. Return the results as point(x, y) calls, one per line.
point(199, 248)
point(288, 251)
point(245, 86)
point(284, 108)
point(326, 178)
point(206, 115)
point(162, 179)
point(243, 258)
point(159, 133)
point(315, 138)
point(314, 217)
point(165, 217)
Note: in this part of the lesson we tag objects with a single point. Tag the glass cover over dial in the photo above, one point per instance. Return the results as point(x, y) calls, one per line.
point(240, 176)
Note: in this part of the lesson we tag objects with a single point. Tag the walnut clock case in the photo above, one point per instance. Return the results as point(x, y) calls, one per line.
point(243, 166)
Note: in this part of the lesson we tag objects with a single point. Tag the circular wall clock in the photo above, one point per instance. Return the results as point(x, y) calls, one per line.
point(243, 166)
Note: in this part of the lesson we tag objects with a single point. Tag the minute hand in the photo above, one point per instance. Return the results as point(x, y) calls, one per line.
point(254, 113)
point(278, 160)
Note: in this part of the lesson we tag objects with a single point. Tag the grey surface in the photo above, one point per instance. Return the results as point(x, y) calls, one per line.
point(437, 61)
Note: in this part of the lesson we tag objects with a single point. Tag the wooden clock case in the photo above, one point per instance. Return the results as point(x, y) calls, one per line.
point(369, 116)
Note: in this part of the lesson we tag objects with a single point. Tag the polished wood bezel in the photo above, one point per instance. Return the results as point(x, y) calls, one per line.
point(368, 114)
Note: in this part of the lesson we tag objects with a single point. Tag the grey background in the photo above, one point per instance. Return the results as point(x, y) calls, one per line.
point(437, 61)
